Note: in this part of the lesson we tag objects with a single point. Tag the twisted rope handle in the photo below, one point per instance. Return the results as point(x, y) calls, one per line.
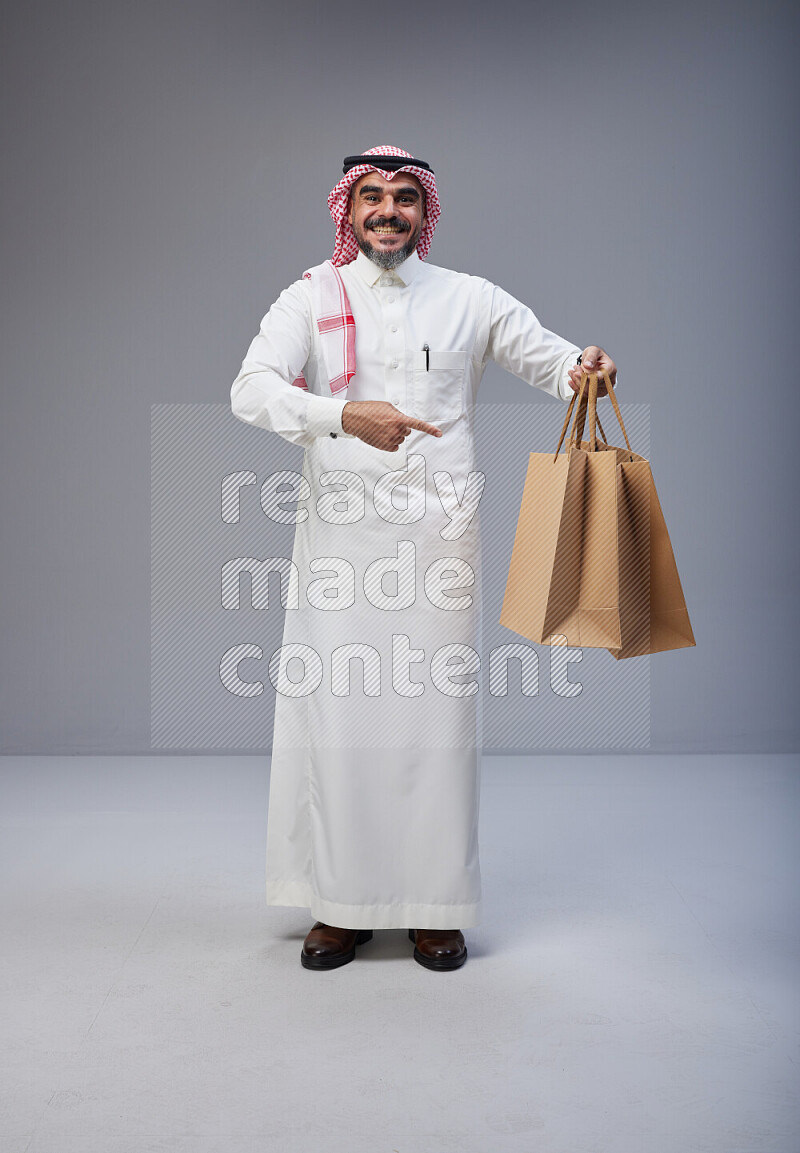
point(587, 402)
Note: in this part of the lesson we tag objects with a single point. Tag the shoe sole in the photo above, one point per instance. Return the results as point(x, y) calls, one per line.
point(441, 963)
point(338, 959)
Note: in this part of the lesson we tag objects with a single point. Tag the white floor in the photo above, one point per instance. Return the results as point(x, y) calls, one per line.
point(632, 989)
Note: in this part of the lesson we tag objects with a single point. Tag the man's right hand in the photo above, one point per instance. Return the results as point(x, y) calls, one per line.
point(379, 423)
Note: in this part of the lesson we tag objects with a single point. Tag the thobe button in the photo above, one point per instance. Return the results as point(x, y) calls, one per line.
point(393, 364)
point(390, 299)
point(334, 434)
point(393, 328)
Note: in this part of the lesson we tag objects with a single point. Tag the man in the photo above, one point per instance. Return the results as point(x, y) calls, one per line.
point(372, 363)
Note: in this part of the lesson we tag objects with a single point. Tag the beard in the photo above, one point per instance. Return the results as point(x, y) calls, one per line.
point(387, 260)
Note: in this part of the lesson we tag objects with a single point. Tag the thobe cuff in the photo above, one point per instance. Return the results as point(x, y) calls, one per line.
point(564, 386)
point(324, 415)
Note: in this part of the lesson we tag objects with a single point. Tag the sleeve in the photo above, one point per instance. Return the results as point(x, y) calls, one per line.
point(263, 394)
point(520, 345)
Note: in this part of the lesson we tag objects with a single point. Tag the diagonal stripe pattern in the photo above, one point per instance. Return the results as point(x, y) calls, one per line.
point(207, 470)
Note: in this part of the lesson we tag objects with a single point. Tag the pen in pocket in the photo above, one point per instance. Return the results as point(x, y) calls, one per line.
point(427, 351)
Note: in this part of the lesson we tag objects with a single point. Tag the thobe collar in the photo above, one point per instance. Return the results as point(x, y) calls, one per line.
point(371, 273)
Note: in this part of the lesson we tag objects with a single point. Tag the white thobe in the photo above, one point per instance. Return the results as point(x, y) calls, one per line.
point(375, 774)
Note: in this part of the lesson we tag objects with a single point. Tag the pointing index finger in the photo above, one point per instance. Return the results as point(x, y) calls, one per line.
point(423, 426)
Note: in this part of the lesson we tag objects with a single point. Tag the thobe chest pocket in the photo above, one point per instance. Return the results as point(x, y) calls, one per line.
point(439, 384)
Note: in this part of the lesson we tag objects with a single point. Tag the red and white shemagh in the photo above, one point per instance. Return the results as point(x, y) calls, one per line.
point(337, 329)
point(339, 200)
point(331, 307)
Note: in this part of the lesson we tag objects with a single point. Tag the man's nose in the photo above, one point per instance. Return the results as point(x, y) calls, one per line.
point(387, 205)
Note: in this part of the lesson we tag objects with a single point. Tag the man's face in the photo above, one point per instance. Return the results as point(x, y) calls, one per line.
point(387, 216)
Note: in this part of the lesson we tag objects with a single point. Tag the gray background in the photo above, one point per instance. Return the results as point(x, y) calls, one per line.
point(626, 169)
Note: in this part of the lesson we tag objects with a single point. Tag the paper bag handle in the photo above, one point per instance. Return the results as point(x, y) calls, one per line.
point(572, 400)
point(588, 401)
point(612, 394)
point(580, 416)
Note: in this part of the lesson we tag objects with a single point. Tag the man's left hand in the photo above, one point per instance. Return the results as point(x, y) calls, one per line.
point(593, 359)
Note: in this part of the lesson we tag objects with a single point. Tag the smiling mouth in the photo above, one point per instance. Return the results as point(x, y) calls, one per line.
point(388, 229)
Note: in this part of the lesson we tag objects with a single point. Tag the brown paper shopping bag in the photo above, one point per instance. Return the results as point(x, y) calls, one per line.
point(592, 560)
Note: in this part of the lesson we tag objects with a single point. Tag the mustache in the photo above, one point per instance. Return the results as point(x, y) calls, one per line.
point(389, 222)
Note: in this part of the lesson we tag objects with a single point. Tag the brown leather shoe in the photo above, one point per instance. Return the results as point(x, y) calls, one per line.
point(328, 947)
point(439, 948)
